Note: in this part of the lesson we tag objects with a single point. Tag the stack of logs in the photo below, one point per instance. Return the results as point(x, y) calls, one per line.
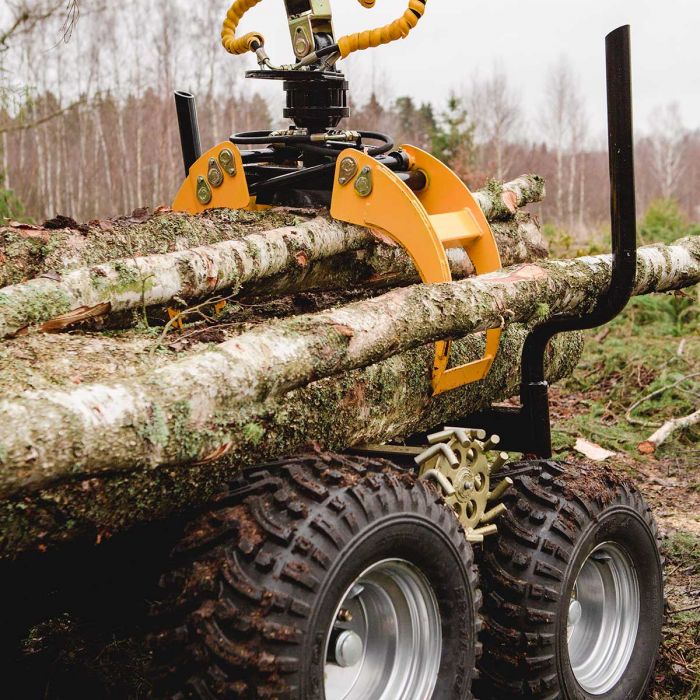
point(145, 361)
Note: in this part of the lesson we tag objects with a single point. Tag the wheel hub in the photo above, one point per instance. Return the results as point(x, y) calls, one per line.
point(603, 619)
point(386, 639)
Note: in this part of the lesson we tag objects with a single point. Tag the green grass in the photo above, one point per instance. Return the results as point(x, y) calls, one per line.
point(652, 346)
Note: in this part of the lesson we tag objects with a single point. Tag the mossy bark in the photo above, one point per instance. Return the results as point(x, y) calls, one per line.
point(165, 416)
point(61, 244)
point(318, 253)
point(388, 400)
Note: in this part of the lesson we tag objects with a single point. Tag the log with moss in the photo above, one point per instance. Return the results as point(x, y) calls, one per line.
point(303, 253)
point(388, 400)
point(27, 251)
point(171, 415)
point(319, 253)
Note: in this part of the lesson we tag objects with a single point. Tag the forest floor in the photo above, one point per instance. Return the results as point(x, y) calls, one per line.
point(651, 348)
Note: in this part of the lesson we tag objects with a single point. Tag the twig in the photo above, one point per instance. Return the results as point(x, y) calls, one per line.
point(653, 395)
point(688, 609)
point(188, 312)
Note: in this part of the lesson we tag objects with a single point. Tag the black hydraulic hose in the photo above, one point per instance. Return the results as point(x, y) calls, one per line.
point(293, 178)
point(251, 138)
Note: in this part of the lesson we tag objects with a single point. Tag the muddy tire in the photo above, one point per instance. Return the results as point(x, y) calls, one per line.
point(574, 588)
point(307, 578)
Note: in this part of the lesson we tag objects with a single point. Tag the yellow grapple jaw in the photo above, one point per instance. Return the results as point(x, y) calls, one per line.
point(426, 220)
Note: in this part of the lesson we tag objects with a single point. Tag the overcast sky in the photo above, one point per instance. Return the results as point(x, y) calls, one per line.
point(458, 38)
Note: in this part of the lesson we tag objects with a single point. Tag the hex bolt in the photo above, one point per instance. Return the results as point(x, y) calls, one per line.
point(345, 615)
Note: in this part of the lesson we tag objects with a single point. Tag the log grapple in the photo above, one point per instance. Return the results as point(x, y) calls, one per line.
point(404, 193)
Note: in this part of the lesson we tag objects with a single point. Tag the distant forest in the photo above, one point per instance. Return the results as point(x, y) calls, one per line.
point(88, 128)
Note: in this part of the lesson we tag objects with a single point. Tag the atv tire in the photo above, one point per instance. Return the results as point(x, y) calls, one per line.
point(574, 588)
point(268, 586)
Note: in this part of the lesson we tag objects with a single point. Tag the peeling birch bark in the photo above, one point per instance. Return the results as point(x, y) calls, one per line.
point(317, 253)
point(389, 400)
point(164, 418)
point(502, 201)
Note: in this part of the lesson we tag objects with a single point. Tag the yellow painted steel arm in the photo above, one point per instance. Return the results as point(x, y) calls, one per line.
point(398, 29)
point(443, 215)
point(239, 45)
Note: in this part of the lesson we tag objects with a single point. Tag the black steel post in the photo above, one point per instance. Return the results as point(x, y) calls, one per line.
point(528, 428)
point(534, 390)
point(189, 128)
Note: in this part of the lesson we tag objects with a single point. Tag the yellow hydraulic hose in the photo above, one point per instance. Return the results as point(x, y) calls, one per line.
point(372, 38)
point(228, 33)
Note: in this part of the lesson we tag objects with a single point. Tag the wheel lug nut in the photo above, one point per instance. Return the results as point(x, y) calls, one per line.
point(345, 615)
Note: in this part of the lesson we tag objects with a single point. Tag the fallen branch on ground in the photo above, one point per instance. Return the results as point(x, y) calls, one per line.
point(655, 441)
point(653, 395)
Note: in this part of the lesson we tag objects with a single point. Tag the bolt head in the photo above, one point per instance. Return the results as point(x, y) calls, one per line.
point(348, 168)
point(363, 184)
point(214, 174)
point(203, 191)
point(228, 162)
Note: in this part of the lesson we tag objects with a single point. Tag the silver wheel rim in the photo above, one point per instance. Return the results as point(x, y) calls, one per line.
point(603, 619)
point(385, 642)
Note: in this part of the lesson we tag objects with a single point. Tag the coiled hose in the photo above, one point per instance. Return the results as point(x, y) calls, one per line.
point(249, 41)
point(398, 29)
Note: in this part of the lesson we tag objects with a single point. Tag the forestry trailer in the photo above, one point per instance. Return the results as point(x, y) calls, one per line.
point(426, 567)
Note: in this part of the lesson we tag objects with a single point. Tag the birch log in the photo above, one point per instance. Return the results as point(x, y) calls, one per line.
point(28, 251)
point(165, 417)
point(388, 400)
point(666, 430)
point(318, 253)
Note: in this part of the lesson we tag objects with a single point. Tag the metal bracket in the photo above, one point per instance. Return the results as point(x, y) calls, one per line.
point(207, 186)
point(443, 215)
